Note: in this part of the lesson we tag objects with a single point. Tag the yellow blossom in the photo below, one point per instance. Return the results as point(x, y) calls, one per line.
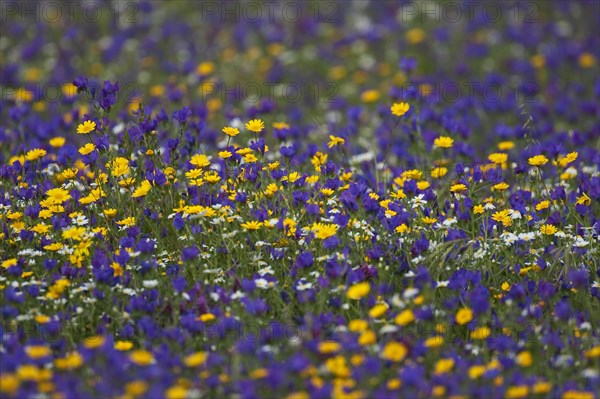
point(86, 149)
point(538, 160)
point(358, 291)
point(394, 351)
point(231, 131)
point(255, 125)
point(443, 142)
point(399, 109)
point(86, 127)
point(548, 229)
point(463, 316)
point(334, 141)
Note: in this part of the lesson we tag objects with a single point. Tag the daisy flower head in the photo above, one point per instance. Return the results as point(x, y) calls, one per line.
point(231, 131)
point(443, 142)
point(399, 109)
point(538, 160)
point(86, 127)
point(35, 154)
point(86, 149)
point(255, 125)
point(335, 141)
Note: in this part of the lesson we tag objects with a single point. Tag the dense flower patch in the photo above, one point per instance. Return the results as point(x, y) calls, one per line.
point(380, 241)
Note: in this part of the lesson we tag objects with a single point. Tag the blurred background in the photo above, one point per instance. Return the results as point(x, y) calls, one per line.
point(307, 63)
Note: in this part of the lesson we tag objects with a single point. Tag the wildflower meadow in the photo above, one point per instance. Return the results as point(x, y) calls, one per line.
point(299, 199)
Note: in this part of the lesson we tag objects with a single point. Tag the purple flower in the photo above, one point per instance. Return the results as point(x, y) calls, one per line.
point(182, 115)
point(189, 253)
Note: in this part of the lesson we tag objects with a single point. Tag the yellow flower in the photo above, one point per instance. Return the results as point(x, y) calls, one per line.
point(586, 60)
point(200, 160)
point(86, 127)
point(225, 154)
point(251, 225)
point(205, 68)
point(58, 288)
point(480, 333)
point(458, 188)
point(358, 291)
point(119, 167)
point(400, 108)
point(323, 231)
point(405, 317)
point(117, 269)
point(443, 366)
point(37, 351)
point(74, 233)
point(414, 174)
point(176, 392)
point(500, 186)
point(572, 394)
point(429, 220)
point(476, 371)
point(123, 345)
point(538, 160)
point(517, 392)
point(110, 212)
point(378, 310)
point(570, 157)
point(423, 185)
point(231, 131)
point(42, 319)
point(327, 347)
point(141, 357)
point(548, 229)
point(415, 35)
point(255, 125)
point(443, 142)
point(9, 383)
point(57, 142)
point(142, 190)
point(195, 359)
point(358, 325)
point(136, 388)
point(71, 361)
point(370, 96)
point(498, 157)
point(541, 387)
point(592, 353)
point(41, 228)
point(524, 359)
point(250, 158)
point(437, 173)
point(503, 217)
point(35, 154)
point(333, 141)
point(584, 200)
point(367, 338)
point(463, 316)
point(280, 125)
point(506, 145)
point(542, 205)
point(206, 317)
point(129, 222)
point(9, 263)
point(402, 228)
point(86, 149)
point(94, 342)
point(394, 351)
point(58, 195)
point(434, 342)
point(478, 209)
